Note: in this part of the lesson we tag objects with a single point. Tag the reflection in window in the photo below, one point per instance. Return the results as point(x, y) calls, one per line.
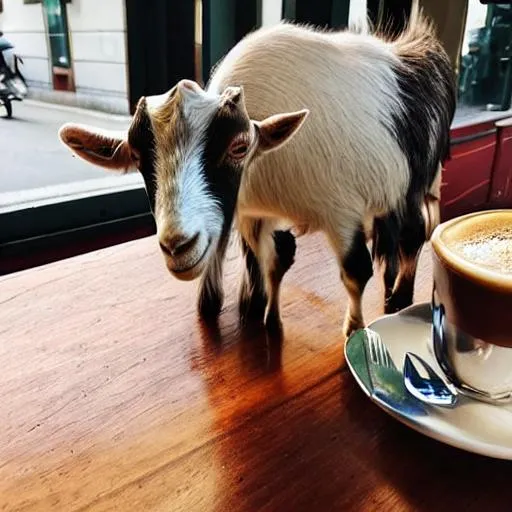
point(485, 72)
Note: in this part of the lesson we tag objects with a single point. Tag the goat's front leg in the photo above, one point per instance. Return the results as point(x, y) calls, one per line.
point(269, 254)
point(356, 270)
point(252, 297)
point(211, 294)
point(277, 254)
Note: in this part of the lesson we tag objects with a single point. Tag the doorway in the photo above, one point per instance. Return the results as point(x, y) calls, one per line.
point(60, 53)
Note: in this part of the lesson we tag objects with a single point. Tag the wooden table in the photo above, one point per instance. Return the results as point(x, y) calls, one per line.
point(114, 396)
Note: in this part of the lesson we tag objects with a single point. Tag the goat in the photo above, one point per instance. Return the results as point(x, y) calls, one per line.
point(343, 132)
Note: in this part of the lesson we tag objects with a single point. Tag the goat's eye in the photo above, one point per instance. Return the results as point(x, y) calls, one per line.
point(238, 149)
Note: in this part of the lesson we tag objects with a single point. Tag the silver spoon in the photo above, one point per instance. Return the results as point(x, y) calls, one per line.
point(431, 389)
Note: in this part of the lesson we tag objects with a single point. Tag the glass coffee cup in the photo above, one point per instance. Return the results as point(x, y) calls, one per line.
point(472, 303)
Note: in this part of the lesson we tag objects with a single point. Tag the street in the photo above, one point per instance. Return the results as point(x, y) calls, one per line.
point(32, 155)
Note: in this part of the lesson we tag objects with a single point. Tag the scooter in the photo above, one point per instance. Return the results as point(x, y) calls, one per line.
point(13, 86)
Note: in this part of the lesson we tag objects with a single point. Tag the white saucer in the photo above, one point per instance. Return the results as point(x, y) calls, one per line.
point(471, 425)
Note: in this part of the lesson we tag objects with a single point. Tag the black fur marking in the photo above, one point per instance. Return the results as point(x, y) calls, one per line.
point(253, 299)
point(286, 247)
point(211, 295)
point(427, 90)
point(401, 298)
point(412, 234)
point(357, 263)
point(223, 176)
point(141, 138)
point(386, 233)
point(210, 303)
point(390, 275)
point(412, 238)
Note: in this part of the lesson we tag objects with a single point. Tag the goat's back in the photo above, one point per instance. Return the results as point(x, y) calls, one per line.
point(346, 156)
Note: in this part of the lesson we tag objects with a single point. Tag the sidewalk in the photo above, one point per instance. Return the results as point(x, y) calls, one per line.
point(37, 167)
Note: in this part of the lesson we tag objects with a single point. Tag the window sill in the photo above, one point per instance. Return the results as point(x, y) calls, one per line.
point(44, 225)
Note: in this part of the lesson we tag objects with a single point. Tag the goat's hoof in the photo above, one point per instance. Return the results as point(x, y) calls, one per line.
point(350, 325)
point(210, 305)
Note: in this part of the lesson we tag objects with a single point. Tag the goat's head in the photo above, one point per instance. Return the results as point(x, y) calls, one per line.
point(191, 148)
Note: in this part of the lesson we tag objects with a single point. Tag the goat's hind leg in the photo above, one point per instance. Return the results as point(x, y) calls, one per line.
point(356, 270)
point(413, 235)
point(403, 291)
point(385, 251)
point(422, 217)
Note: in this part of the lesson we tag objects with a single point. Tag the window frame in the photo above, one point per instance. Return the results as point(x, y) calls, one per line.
point(35, 233)
point(45, 231)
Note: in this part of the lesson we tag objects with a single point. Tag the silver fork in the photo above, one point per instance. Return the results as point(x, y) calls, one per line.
point(386, 380)
point(431, 389)
point(379, 353)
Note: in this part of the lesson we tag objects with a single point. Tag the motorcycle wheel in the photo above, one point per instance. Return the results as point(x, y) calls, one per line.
point(8, 108)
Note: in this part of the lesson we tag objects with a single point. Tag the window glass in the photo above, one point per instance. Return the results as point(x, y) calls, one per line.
point(485, 65)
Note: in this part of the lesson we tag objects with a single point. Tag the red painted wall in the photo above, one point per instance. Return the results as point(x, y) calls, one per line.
point(479, 174)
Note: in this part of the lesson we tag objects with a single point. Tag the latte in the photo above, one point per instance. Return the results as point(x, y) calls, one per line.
point(472, 302)
point(479, 247)
point(484, 240)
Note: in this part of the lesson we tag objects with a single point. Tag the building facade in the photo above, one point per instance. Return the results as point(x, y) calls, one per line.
point(74, 51)
point(105, 54)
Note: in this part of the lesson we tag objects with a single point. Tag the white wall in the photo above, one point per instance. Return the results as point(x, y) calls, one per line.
point(24, 26)
point(271, 12)
point(98, 44)
point(357, 13)
point(97, 38)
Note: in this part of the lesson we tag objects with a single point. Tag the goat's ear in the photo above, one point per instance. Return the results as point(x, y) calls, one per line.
point(275, 130)
point(104, 148)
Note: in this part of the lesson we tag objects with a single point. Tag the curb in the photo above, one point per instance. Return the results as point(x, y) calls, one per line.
point(114, 105)
point(49, 194)
point(78, 110)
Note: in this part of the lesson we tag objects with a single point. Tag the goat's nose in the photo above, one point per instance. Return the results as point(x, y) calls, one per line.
point(178, 244)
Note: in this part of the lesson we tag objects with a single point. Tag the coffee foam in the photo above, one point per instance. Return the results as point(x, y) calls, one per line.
point(482, 243)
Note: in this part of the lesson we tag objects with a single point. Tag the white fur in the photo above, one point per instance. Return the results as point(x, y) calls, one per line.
point(342, 168)
point(343, 151)
point(183, 205)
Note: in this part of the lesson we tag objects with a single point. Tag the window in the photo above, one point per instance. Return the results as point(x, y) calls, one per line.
point(107, 54)
point(51, 205)
point(485, 79)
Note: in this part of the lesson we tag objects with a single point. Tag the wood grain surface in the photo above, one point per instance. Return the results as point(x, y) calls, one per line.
point(115, 396)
